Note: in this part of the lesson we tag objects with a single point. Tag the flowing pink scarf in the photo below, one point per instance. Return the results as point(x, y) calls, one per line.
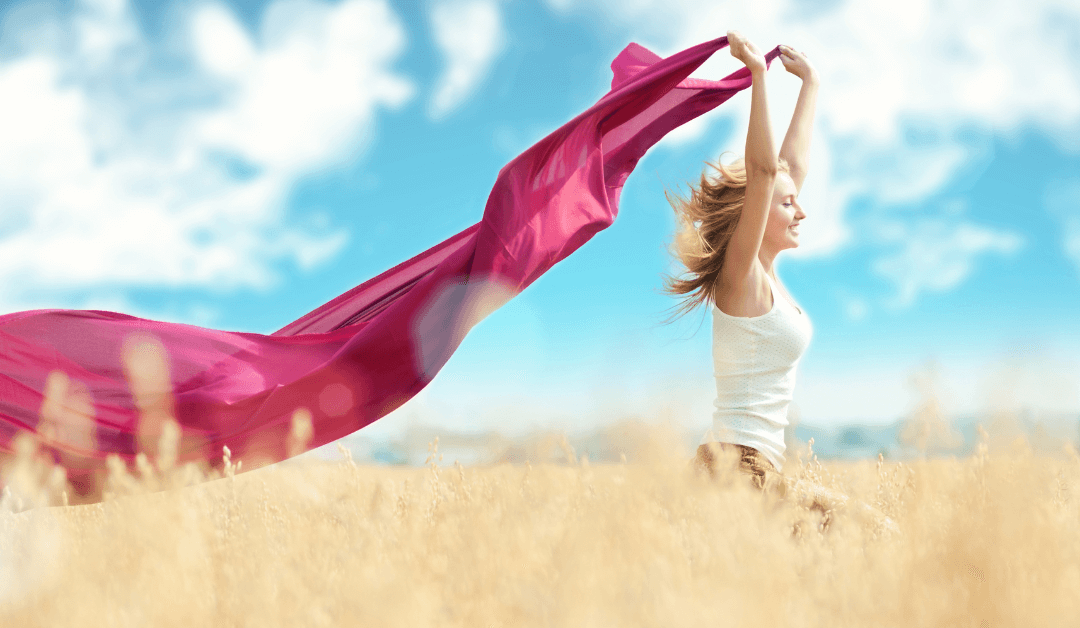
point(368, 351)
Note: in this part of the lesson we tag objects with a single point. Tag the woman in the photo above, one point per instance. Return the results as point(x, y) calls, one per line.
point(732, 229)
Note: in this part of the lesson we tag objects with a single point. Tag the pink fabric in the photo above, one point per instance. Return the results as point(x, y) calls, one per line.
point(365, 353)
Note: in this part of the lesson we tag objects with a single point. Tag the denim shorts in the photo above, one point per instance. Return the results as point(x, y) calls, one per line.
point(748, 462)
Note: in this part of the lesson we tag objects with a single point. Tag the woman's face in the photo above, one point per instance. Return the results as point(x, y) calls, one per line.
point(782, 229)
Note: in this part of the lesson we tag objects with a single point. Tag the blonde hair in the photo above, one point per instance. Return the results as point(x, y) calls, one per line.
point(704, 224)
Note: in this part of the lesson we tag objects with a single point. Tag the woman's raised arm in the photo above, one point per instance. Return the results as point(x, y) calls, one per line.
point(761, 168)
point(796, 147)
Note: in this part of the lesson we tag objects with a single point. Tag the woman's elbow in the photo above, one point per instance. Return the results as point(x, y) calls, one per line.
point(762, 168)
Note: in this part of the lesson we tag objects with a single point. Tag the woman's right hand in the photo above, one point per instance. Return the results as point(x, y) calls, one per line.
point(744, 51)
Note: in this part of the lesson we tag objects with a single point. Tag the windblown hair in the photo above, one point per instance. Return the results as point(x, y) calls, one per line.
point(705, 222)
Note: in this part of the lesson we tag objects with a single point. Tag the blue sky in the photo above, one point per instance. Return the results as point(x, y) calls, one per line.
point(234, 165)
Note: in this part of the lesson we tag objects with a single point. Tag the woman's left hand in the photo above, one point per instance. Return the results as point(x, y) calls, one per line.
point(797, 63)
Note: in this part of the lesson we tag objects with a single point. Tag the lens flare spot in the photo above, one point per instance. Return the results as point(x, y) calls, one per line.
point(336, 399)
point(450, 313)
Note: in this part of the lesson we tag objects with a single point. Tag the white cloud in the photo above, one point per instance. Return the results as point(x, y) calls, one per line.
point(823, 230)
point(936, 255)
point(1061, 199)
point(102, 29)
point(469, 34)
point(1072, 240)
point(308, 97)
point(855, 309)
point(220, 43)
point(909, 92)
point(117, 171)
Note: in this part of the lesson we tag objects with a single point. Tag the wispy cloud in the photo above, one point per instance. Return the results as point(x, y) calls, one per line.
point(855, 308)
point(130, 161)
point(469, 33)
point(1062, 200)
point(936, 255)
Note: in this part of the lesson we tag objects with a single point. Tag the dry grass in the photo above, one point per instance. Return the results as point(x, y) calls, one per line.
point(993, 540)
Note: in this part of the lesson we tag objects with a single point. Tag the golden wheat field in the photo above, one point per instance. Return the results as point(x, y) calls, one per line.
point(991, 540)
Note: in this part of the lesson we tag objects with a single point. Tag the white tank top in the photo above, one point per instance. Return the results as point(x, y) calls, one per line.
point(755, 359)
